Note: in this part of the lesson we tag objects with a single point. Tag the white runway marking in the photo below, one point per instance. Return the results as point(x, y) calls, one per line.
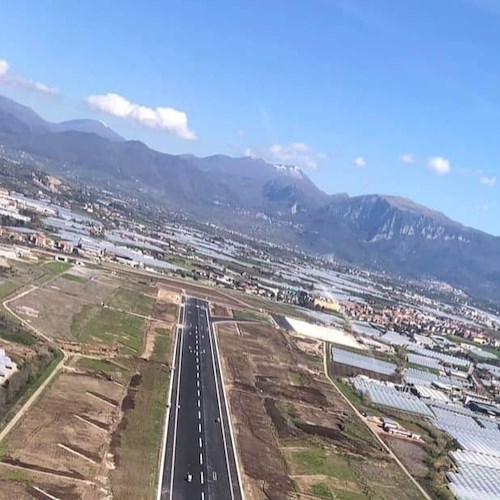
point(201, 477)
point(201, 442)
point(201, 459)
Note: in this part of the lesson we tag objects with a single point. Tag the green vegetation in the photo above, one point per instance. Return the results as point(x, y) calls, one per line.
point(17, 476)
point(137, 441)
point(73, 277)
point(299, 379)
point(320, 461)
point(322, 490)
point(8, 287)
point(56, 266)
point(49, 270)
point(4, 446)
point(30, 388)
point(131, 301)
point(250, 315)
point(100, 324)
point(161, 349)
point(100, 365)
point(349, 495)
point(104, 366)
point(14, 332)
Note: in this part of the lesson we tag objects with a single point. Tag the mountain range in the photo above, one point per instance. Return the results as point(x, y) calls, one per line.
point(275, 202)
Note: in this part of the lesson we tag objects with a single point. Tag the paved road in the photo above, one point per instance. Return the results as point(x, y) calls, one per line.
point(199, 440)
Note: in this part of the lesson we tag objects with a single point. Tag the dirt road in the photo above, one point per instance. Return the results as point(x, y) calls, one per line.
point(377, 437)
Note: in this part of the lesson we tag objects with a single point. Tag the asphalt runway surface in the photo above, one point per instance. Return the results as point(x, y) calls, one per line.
point(200, 461)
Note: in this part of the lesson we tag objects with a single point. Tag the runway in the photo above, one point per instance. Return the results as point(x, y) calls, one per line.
point(199, 457)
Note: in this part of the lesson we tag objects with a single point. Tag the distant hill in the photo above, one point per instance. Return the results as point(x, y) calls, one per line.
point(90, 127)
point(17, 118)
point(276, 202)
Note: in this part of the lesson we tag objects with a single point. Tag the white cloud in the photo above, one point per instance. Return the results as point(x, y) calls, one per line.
point(322, 156)
point(8, 78)
point(408, 158)
point(439, 165)
point(167, 119)
point(295, 153)
point(359, 161)
point(488, 181)
point(4, 67)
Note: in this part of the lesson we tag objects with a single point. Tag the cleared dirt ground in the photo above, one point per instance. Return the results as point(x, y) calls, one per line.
point(67, 433)
point(296, 437)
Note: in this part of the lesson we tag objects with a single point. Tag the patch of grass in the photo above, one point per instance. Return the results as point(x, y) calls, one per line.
point(348, 495)
point(131, 301)
point(98, 365)
point(139, 437)
point(4, 446)
point(321, 461)
point(100, 324)
point(56, 266)
point(288, 412)
point(8, 287)
point(104, 366)
point(18, 336)
point(299, 379)
point(321, 490)
point(250, 315)
point(161, 349)
point(73, 277)
point(17, 476)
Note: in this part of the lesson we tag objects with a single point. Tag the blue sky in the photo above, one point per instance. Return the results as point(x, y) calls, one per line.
point(368, 96)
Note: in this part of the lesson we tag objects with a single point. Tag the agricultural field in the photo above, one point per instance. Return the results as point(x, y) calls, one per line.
point(90, 306)
point(295, 434)
point(95, 431)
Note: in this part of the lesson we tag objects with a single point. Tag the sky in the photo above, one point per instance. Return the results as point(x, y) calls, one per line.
point(366, 96)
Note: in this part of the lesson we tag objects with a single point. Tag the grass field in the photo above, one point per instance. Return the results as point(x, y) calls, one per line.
point(321, 490)
point(138, 440)
point(9, 287)
point(250, 315)
point(161, 350)
point(320, 461)
point(99, 324)
point(73, 277)
point(131, 301)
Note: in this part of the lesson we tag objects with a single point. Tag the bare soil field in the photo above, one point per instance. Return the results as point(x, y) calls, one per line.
point(66, 435)
point(296, 437)
point(413, 455)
